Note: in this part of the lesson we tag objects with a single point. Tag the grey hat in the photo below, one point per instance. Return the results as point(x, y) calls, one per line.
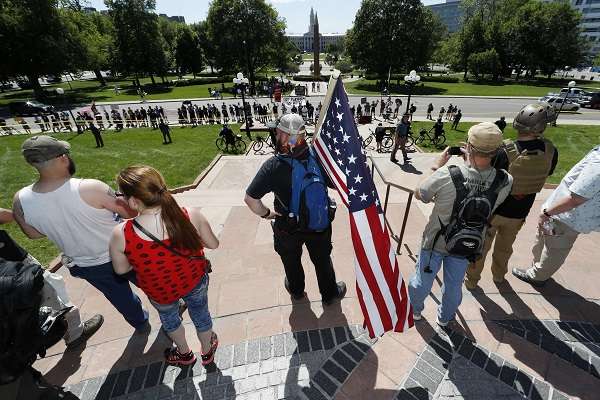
point(42, 148)
point(292, 124)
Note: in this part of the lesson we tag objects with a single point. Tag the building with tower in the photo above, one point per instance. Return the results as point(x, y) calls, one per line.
point(305, 41)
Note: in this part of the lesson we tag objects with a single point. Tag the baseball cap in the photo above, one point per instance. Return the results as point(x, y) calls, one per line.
point(485, 137)
point(292, 124)
point(42, 148)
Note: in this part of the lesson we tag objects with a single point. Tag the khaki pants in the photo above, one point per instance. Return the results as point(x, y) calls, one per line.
point(550, 252)
point(505, 231)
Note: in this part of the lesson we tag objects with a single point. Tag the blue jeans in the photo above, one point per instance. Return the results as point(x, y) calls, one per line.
point(421, 282)
point(116, 289)
point(197, 302)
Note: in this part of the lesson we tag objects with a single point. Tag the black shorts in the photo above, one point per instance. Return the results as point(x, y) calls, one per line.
point(379, 137)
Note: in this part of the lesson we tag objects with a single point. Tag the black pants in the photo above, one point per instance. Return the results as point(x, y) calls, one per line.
point(99, 141)
point(289, 248)
point(166, 135)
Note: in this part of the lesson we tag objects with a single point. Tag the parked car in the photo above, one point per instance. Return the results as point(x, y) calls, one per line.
point(556, 102)
point(30, 107)
point(591, 101)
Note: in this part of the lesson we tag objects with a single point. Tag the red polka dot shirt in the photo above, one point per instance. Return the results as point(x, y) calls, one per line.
point(164, 276)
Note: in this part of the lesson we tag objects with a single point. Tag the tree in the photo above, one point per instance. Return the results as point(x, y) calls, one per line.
point(37, 40)
point(344, 65)
point(392, 36)
point(246, 35)
point(206, 45)
point(484, 62)
point(188, 54)
point(139, 45)
point(95, 32)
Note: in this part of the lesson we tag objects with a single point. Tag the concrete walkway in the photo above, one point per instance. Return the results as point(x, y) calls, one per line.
point(511, 341)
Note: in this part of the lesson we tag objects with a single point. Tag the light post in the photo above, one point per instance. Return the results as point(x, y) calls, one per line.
point(61, 93)
point(571, 85)
point(242, 82)
point(411, 80)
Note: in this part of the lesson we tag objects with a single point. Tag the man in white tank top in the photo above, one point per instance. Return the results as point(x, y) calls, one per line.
point(78, 216)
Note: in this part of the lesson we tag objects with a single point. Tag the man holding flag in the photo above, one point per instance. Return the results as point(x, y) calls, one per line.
point(302, 211)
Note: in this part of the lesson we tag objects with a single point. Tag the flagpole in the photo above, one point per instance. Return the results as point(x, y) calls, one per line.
point(335, 75)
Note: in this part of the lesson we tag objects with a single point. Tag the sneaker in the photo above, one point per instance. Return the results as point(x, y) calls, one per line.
point(174, 357)
point(442, 324)
point(286, 284)
point(417, 316)
point(522, 275)
point(209, 357)
point(90, 327)
point(341, 293)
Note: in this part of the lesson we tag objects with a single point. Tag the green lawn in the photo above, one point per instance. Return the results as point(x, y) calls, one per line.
point(364, 86)
point(572, 141)
point(83, 92)
point(180, 163)
point(310, 56)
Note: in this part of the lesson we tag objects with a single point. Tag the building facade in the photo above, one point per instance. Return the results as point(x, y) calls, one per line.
point(590, 21)
point(450, 14)
point(306, 41)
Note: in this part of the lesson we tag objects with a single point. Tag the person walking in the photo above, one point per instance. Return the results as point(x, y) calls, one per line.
point(571, 210)
point(97, 135)
point(455, 190)
point(166, 132)
point(456, 119)
point(429, 111)
point(402, 132)
point(78, 216)
point(530, 159)
point(164, 245)
point(285, 175)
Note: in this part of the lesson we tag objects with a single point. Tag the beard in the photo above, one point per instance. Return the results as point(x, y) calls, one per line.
point(72, 169)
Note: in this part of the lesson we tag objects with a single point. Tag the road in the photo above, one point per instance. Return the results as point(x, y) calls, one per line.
point(473, 109)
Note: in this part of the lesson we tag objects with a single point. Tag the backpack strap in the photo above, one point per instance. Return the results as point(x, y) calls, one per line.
point(549, 152)
point(459, 184)
point(512, 151)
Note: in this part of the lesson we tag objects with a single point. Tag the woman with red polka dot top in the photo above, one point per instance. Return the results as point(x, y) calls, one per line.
point(172, 271)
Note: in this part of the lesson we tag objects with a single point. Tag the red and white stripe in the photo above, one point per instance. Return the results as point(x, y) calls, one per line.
point(382, 293)
point(332, 169)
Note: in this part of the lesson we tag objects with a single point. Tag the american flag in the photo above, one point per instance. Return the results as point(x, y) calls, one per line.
point(381, 290)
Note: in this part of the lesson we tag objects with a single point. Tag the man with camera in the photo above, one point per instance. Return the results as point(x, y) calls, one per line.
point(302, 211)
point(464, 198)
point(530, 160)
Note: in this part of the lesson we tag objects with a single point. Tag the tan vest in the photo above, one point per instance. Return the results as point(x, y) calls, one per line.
point(528, 169)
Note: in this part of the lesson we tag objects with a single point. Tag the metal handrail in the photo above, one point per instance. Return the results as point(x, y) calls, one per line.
point(398, 238)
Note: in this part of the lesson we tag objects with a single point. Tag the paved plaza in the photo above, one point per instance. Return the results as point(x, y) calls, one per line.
point(511, 341)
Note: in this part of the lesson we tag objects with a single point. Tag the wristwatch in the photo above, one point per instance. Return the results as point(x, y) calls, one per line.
point(545, 212)
point(266, 214)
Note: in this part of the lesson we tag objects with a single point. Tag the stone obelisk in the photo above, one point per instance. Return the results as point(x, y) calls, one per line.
point(316, 49)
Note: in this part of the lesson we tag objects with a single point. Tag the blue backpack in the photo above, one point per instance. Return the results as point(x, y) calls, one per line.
point(310, 208)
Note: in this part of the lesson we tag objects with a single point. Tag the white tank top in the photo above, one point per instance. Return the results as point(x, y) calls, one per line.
point(80, 231)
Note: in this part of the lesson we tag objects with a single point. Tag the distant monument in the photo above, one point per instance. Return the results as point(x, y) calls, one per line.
point(316, 47)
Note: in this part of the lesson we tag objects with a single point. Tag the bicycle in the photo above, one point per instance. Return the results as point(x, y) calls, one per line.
point(259, 143)
point(238, 145)
point(386, 143)
point(436, 140)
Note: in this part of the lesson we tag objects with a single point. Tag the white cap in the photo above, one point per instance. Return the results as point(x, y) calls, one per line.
point(292, 124)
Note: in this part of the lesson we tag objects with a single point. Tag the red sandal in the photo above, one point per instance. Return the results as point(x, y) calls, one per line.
point(209, 356)
point(174, 357)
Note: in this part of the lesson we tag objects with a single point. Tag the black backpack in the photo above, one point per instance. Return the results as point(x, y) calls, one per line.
point(21, 338)
point(472, 210)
